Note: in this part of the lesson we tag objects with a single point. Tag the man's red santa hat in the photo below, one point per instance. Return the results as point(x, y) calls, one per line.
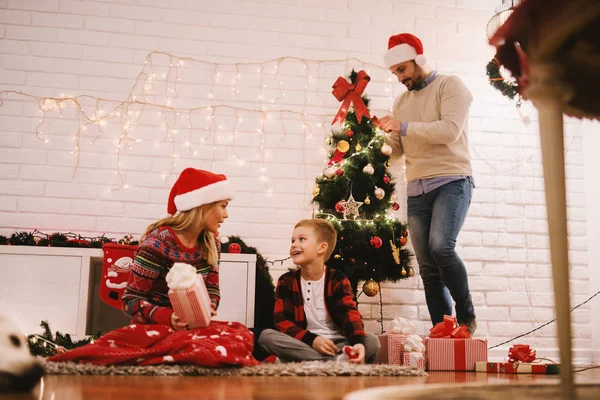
point(404, 47)
point(196, 187)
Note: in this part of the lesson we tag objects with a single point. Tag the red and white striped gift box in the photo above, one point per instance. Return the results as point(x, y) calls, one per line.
point(192, 305)
point(392, 349)
point(392, 346)
point(414, 359)
point(455, 354)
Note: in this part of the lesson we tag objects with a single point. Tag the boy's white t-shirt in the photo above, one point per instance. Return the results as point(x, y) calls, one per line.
point(317, 318)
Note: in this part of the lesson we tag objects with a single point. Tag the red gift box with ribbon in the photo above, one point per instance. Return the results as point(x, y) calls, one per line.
point(451, 348)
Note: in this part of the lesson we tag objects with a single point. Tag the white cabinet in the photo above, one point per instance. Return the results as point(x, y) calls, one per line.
point(61, 285)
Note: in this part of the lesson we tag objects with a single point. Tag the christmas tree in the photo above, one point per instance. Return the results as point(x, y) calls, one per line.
point(356, 192)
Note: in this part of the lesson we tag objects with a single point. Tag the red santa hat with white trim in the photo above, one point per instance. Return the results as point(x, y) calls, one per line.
point(404, 47)
point(196, 187)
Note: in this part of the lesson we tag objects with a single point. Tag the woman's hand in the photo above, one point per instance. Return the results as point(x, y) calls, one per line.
point(213, 310)
point(390, 125)
point(177, 324)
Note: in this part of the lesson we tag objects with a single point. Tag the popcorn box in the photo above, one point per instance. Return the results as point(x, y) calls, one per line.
point(192, 305)
point(517, 368)
point(392, 349)
point(446, 354)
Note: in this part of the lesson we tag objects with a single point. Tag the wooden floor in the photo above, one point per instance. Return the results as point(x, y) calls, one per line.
point(287, 388)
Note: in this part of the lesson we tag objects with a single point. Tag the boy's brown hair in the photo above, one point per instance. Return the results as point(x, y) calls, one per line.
point(324, 231)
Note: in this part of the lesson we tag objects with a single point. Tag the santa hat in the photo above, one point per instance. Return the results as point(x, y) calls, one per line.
point(196, 187)
point(404, 47)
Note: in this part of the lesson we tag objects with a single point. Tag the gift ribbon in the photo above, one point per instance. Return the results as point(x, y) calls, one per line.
point(521, 353)
point(449, 328)
point(337, 157)
point(350, 93)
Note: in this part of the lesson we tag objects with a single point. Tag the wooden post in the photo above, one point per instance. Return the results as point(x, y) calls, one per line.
point(549, 94)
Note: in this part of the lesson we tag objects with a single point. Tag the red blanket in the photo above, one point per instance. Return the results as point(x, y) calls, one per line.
point(220, 344)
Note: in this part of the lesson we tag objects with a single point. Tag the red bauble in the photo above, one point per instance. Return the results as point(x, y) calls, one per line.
point(395, 206)
point(349, 133)
point(403, 241)
point(376, 242)
point(339, 172)
point(234, 248)
point(405, 233)
point(352, 261)
point(386, 179)
point(339, 207)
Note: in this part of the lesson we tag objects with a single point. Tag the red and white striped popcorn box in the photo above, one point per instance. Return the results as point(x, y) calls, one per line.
point(392, 349)
point(445, 354)
point(192, 305)
point(414, 359)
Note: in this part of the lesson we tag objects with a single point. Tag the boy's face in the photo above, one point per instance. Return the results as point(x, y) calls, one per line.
point(305, 247)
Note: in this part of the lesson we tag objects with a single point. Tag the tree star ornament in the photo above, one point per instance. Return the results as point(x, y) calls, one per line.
point(351, 207)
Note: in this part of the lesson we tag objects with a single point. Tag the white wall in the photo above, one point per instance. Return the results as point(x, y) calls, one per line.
point(71, 47)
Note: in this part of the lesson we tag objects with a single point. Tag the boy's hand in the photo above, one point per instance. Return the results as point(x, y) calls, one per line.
point(358, 350)
point(325, 346)
point(177, 324)
point(213, 309)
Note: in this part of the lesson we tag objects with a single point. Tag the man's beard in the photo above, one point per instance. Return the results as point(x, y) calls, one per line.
point(416, 82)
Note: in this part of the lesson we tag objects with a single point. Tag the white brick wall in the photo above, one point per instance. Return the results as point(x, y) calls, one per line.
point(70, 47)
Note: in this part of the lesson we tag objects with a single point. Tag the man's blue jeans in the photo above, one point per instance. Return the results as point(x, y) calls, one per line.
point(434, 221)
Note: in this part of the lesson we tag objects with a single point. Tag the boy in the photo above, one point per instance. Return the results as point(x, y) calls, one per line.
point(315, 312)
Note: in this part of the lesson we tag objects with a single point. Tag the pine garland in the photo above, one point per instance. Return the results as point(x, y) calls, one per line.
point(508, 88)
point(58, 239)
point(46, 344)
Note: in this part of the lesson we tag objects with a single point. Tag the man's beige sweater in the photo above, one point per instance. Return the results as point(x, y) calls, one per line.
point(436, 141)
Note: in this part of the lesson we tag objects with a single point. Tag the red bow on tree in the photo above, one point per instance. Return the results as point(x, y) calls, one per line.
point(449, 328)
point(351, 93)
point(521, 353)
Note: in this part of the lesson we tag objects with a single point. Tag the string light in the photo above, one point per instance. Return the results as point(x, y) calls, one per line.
point(128, 112)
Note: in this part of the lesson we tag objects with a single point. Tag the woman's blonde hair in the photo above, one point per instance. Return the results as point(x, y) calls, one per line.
point(192, 219)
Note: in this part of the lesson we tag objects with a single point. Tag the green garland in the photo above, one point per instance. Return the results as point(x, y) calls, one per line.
point(57, 239)
point(508, 88)
point(46, 344)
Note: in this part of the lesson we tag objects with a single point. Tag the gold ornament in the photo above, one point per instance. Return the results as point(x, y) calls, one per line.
point(358, 147)
point(403, 272)
point(371, 288)
point(351, 207)
point(337, 256)
point(328, 141)
point(395, 252)
point(388, 164)
point(316, 191)
point(367, 200)
point(379, 193)
point(343, 146)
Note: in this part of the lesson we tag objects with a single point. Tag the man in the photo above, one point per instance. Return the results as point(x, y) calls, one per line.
point(429, 126)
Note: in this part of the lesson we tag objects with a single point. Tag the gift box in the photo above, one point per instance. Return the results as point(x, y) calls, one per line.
point(392, 352)
point(414, 359)
point(455, 354)
point(517, 368)
point(392, 347)
point(192, 305)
